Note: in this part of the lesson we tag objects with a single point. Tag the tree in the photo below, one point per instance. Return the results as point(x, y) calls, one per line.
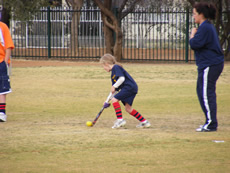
point(5, 16)
point(30, 7)
point(222, 27)
point(112, 22)
point(76, 6)
point(113, 12)
point(23, 10)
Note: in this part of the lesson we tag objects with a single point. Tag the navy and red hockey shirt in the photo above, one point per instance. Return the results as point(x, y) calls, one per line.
point(129, 83)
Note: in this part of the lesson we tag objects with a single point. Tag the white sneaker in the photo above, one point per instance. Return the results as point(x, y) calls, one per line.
point(144, 124)
point(203, 129)
point(2, 117)
point(119, 123)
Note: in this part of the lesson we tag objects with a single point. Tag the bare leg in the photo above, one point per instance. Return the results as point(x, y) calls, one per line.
point(3, 98)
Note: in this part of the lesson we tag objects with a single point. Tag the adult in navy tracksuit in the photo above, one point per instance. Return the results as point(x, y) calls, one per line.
point(210, 61)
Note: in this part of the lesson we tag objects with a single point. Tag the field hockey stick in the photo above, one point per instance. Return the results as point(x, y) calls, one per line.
point(102, 109)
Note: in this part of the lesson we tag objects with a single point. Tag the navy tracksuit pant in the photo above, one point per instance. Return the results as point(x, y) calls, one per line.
point(206, 91)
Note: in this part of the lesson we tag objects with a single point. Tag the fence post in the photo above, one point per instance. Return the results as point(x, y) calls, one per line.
point(49, 32)
point(187, 35)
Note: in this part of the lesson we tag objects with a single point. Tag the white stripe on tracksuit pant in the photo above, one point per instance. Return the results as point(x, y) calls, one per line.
point(206, 92)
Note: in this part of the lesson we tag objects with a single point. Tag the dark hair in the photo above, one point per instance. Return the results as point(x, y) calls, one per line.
point(207, 9)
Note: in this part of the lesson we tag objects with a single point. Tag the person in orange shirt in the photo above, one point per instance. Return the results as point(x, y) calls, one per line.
point(6, 46)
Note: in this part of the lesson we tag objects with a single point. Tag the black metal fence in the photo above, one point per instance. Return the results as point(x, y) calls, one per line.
point(148, 35)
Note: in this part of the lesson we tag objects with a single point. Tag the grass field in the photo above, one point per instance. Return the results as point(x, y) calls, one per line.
point(50, 105)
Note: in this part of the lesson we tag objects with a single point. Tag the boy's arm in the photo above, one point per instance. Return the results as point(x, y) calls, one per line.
point(7, 56)
point(119, 82)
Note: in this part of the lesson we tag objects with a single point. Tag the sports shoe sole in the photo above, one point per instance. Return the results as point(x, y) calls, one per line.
point(205, 130)
point(3, 118)
point(121, 125)
point(144, 126)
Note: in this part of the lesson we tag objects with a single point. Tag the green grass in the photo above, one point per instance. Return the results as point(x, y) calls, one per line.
point(49, 107)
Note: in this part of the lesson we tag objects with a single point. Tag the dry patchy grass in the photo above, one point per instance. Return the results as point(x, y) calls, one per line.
point(49, 106)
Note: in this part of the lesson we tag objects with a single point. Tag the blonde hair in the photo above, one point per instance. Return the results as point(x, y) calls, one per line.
point(109, 59)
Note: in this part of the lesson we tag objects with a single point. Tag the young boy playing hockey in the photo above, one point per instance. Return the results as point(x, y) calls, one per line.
point(127, 87)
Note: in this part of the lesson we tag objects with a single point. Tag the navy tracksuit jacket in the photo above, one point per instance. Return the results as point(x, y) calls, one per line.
point(210, 62)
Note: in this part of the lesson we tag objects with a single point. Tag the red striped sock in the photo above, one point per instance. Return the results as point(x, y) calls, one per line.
point(137, 115)
point(3, 107)
point(117, 109)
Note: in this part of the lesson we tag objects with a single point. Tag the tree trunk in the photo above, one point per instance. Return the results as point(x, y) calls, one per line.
point(108, 32)
point(109, 40)
point(74, 32)
point(227, 56)
point(118, 44)
point(227, 31)
point(76, 6)
point(218, 15)
point(111, 23)
point(227, 52)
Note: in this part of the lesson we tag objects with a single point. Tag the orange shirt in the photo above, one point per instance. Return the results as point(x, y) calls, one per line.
point(5, 41)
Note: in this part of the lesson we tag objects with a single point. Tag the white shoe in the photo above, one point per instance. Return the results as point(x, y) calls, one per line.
point(144, 124)
point(2, 117)
point(203, 129)
point(119, 123)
